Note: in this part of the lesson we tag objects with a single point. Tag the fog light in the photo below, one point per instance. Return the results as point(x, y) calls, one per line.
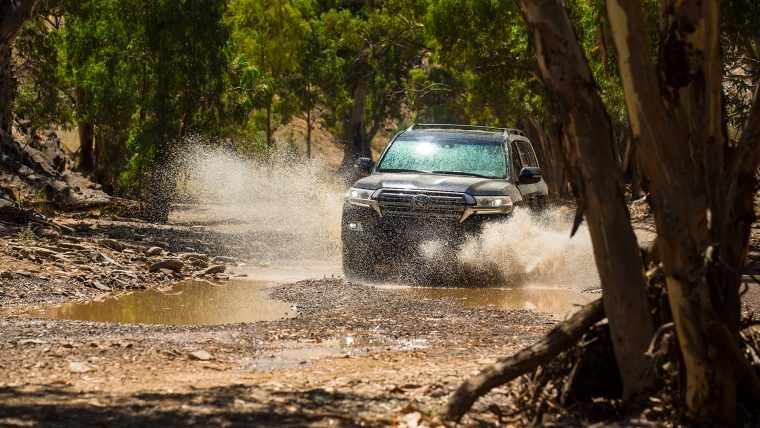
point(356, 226)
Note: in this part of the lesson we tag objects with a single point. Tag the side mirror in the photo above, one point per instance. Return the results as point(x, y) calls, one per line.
point(529, 175)
point(364, 166)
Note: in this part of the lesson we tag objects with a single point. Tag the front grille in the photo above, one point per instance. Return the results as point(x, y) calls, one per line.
point(421, 204)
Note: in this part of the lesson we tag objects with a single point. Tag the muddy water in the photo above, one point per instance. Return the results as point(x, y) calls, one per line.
point(560, 303)
point(188, 303)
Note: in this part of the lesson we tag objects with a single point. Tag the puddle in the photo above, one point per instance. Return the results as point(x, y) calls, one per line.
point(560, 303)
point(187, 303)
point(301, 353)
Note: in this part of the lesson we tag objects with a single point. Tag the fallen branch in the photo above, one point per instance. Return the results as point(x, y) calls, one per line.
point(559, 339)
point(11, 212)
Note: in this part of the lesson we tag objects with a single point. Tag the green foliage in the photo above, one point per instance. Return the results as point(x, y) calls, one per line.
point(740, 43)
point(41, 96)
point(484, 45)
point(269, 35)
point(148, 73)
point(26, 235)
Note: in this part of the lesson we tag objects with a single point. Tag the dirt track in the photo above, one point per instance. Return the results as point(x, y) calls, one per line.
point(383, 357)
point(354, 354)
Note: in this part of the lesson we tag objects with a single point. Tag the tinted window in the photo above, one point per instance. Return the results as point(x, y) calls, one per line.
point(525, 152)
point(436, 154)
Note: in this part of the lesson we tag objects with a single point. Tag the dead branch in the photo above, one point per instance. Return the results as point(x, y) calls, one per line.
point(559, 339)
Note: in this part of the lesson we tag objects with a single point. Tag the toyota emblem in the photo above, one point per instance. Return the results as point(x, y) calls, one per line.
point(420, 201)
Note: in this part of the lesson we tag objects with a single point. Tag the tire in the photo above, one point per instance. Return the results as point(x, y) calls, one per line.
point(357, 264)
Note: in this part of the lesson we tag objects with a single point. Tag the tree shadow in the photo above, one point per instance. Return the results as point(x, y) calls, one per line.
point(235, 405)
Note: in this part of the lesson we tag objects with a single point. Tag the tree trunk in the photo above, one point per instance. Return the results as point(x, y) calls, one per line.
point(702, 204)
point(86, 139)
point(86, 134)
point(594, 174)
point(13, 14)
point(308, 132)
point(269, 128)
point(353, 128)
point(7, 90)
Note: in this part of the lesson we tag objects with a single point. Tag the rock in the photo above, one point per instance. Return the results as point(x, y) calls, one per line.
point(112, 244)
point(199, 355)
point(172, 264)
point(224, 259)
point(97, 256)
point(6, 275)
point(197, 256)
point(100, 286)
point(154, 251)
point(75, 367)
point(199, 263)
point(213, 269)
point(31, 342)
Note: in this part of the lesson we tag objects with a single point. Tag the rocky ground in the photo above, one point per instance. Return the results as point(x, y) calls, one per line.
point(355, 355)
point(42, 264)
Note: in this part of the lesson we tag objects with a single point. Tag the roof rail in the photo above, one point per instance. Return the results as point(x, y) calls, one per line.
point(505, 131)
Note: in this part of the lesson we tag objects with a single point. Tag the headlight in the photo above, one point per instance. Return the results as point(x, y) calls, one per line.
point(362, 198)
point(493, 204)
point(356, 194)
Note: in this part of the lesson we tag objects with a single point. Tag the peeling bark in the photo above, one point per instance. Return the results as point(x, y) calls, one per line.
point(701, 189)
point(13, 14)
point(594, 173)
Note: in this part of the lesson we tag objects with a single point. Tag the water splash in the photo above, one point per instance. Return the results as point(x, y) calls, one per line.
point(284, 210)
point(534, 248)
point(286, 213)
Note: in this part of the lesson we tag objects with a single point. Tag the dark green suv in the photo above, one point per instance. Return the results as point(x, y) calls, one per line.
point(435, 182)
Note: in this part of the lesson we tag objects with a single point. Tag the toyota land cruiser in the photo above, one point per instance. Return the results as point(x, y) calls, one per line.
point(435, 182)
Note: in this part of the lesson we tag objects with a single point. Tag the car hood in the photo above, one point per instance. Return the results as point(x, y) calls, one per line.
point(475, 186)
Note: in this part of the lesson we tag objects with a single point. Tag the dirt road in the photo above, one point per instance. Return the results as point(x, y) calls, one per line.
point(354, 355)
point(350, 355)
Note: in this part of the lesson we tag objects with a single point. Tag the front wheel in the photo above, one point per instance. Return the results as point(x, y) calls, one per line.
point(357, 264)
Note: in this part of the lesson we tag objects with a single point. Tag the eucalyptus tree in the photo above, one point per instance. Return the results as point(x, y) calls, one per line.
point(703, 186)
point(13, 14)
point(271, 35)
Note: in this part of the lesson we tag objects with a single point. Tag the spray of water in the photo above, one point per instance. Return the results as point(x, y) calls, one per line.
point(531, 248)
point(286, 210)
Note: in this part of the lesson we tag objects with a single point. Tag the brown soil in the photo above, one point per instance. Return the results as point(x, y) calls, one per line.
point(354, 354)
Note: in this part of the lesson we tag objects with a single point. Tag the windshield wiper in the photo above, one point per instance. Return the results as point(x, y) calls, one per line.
point(472, 174)
point(403, 170)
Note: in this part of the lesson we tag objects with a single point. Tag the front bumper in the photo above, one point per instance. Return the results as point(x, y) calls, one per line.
point(368, 226)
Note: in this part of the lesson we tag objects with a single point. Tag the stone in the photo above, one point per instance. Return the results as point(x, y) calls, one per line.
point(154, 251)
point(76, 367)
point(112, 244)
point(100, 286)
point(175, 265)
point(6, 275)
point(213, 269)
point(200, 355)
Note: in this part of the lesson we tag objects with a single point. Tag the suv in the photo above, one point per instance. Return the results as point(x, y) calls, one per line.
point(435, 182)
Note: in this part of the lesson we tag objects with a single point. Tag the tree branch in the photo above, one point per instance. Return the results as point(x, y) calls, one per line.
point(560, 338)
point(13, 14)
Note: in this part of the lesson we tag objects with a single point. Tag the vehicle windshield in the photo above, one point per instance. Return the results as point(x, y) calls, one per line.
point(431, 154)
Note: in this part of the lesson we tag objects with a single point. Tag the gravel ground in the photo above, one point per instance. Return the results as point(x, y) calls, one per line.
point(353, 355)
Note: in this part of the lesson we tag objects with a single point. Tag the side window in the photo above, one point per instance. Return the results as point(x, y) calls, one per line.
point(516, 159)
point(527, 155)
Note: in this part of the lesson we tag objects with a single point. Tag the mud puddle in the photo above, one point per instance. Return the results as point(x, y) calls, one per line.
point(560, 303)
point(187, 303)
point(301, 353)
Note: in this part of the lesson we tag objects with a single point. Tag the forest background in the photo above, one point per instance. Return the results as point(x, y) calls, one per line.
point(136, 79)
